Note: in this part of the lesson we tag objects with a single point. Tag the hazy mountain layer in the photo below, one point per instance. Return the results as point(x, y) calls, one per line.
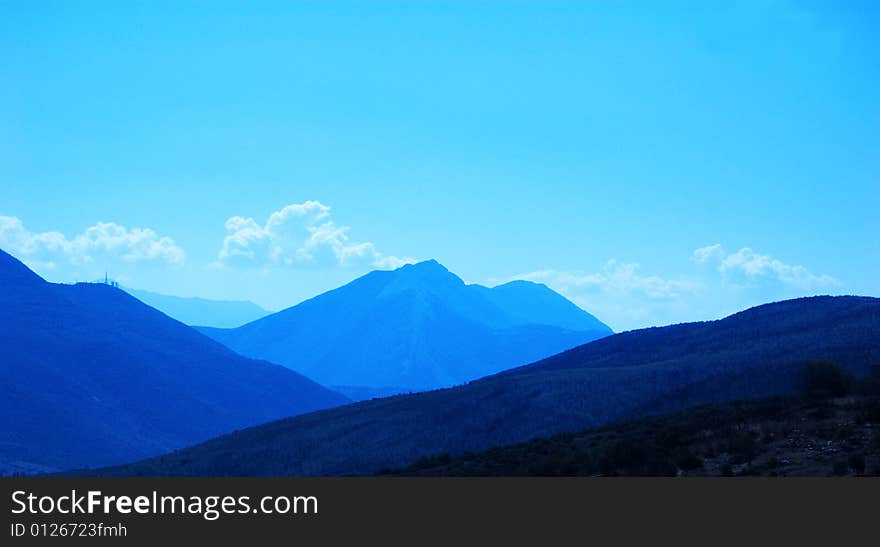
point(202, 311)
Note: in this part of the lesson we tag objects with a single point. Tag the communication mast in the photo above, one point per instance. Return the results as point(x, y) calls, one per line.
point(108, 281)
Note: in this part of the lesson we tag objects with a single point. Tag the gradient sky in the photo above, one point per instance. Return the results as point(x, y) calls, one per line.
point(654, 161)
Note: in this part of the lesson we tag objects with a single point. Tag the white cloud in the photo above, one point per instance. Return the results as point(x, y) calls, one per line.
point(620, 295)
point(392, 262)
point(615, 278)
point(298, 234)
point(747, 267)
point(103, 241)
point(707, 253)
point(624, 297)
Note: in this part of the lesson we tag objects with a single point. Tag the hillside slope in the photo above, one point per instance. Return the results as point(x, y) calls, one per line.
point(752, 354)
point(418, 327)
point(91, 376)
point(765, 437)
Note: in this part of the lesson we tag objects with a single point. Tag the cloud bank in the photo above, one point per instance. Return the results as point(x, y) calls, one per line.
point(618, 278)
point(748, 268)
point(620, 294)
point(715, 283)
point(299, 234)
point(105, 241)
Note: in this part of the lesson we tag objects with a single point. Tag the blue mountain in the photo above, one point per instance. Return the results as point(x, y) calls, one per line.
point(538, 304)
point(756, 353)
point(415, 328)
point(91, 376)
point(202, 311)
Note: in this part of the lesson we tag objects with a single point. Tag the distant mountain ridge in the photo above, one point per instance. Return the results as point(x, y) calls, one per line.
point(91, 376)
point(536, 303)
point(202, 311)
point(752, 354)
point(418, 327)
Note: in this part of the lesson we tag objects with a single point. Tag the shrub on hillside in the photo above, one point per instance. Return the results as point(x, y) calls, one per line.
point(840, 468)
point(821, 379)
point(687, 460)
point(857, 463)
point(869, 386)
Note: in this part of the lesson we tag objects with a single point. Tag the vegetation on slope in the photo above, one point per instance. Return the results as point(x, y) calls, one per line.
point(750, 355)
point(833, 428)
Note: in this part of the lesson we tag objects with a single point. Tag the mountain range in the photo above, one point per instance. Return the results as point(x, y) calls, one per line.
point(91, 376)
point(415, 328)
point(202, 311)
point(755, 353)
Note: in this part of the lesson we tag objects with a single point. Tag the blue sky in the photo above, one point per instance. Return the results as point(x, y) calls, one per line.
point(654, 161)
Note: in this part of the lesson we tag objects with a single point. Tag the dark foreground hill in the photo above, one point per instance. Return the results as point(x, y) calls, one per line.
point(415, 328)
point(756, 353)
point(91, 376)
point(794, 436)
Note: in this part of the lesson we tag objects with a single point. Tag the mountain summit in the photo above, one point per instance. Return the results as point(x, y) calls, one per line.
point(417, 327)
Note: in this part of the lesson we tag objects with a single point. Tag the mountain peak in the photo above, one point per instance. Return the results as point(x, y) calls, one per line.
point(417, 327)
point(427, 272)
point(429, 265)
point(537, 303)
point(524, 284)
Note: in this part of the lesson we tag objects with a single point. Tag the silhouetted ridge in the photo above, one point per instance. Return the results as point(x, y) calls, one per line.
point(91, 376)
point(758, 353)
point(13, 272)
point(781, 321)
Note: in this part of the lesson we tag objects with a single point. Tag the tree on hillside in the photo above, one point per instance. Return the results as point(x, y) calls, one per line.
point(821, 379)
